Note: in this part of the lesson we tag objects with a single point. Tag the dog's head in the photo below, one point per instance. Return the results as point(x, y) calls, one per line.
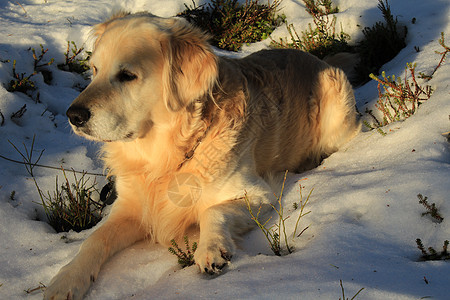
point(145, 70)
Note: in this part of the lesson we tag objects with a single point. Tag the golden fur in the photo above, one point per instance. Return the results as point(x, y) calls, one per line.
point(166, 107)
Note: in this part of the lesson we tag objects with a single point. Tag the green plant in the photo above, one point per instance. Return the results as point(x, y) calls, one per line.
point(70, 206)
point(232, 24)
point(24, 84)
point(320, 40)
point(73, 62)
point(21, 83)
point(277, 231)
point(185, 258)
point(432, 210)
point(40, 67)
point(400, 98)
point(381, 43)
point(343, 292)
point(38, 58)
point(431, 253)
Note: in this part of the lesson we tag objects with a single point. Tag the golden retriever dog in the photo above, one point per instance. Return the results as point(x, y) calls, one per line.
point(186, 133)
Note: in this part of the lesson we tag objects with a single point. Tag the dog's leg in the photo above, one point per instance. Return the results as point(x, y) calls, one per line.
point(220, 225)
point(74, 279)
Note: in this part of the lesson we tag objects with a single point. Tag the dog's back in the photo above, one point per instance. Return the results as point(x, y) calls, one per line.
point(299, 109)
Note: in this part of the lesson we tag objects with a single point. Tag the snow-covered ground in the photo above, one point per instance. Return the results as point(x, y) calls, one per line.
point(365, 215)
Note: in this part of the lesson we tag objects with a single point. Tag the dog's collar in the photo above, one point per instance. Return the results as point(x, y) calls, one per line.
point(208, 117)
point(190, 154)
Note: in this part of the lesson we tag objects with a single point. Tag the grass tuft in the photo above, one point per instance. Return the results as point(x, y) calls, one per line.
point(275, 233)
point(320, 39)
point(70, 206)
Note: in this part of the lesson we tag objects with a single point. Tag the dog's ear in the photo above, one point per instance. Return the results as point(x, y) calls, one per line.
point(190, 65)
point(99, 29)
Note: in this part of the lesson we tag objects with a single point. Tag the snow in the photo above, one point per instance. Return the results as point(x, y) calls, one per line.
point(365, 215)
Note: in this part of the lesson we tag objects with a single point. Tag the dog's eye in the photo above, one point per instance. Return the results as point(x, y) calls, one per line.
point(125, 75)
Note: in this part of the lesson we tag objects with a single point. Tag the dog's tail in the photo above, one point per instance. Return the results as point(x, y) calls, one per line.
point(338, 120)
point(345, 61)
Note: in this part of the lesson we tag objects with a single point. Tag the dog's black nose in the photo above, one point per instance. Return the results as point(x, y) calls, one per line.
point(78, 115)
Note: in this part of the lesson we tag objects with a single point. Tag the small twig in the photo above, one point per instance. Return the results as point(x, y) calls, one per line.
point(19, 114)
point(301, 232)
point(3, 119)
point(370, 113)
point(302, 207)
point(26, 13)
point(342, 289)
point(443, 53)
point(41, 287)
point(280, 213)
point(28, 164)
point(48, 167)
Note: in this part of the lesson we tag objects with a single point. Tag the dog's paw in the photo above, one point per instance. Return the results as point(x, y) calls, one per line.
point(213, 257)
point(70, 283)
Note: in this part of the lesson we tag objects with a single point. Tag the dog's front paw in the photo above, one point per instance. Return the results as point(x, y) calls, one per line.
point(212, 257)
point(70, 283)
